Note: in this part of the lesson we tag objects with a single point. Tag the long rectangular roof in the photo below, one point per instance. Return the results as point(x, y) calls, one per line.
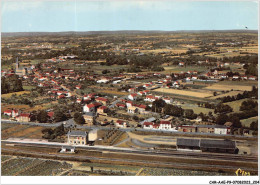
point(222, 144)
point(77, 133)
point(188, 142)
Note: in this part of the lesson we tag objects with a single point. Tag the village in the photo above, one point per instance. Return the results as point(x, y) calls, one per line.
point(114, 98)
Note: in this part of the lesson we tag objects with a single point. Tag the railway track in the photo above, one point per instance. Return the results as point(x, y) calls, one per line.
point(172, 153)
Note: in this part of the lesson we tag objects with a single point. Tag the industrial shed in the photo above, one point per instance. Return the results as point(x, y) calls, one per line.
point(192, 144)
point(207, 145)
point(224, 146)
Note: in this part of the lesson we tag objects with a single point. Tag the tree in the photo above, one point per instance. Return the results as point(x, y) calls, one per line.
point(248, 105)
point(42, 116)
point(173, 110)
point(158, 105)
point(221, 108)
point(235, 120)
point(221, 119)
point(78, 118)
point(189, 113)
point(254, 126)
point(59, 115)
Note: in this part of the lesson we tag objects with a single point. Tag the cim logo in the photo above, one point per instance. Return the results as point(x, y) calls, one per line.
point(240, 172)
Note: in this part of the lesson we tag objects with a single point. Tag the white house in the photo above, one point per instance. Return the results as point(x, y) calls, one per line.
point(132, 96)
point(132, 110)
point(168, 100)
point(148, 125)
point(89, 108)
point(165, 125)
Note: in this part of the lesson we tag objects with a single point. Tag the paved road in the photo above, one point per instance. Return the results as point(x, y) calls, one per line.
point(117, 101)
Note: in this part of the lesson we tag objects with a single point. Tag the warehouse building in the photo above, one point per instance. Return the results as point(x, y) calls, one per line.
point(207, 145)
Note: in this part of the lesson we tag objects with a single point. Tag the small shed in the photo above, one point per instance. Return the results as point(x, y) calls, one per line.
point(67, 149)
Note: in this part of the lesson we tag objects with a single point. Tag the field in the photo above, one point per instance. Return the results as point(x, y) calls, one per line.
point(177, 69)
point(197, 109)
point(17, 93)
point(114, 92)
point(21, 166)
point(185, 92)
point(235, 104)
point(219, 87)
point(247, 122)
point(14, 130)
point(27, 87)
point(231, 93)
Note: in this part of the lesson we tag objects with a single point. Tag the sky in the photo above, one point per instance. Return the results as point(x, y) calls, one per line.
point(79, 15)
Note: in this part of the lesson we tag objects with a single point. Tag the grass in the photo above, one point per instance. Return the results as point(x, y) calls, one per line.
point(28, 87)
point(8, 95)
point(247, 122)
point(229, 87)
point(231, 93)
point(235, 104)
point(177, 69)
point(198, 110)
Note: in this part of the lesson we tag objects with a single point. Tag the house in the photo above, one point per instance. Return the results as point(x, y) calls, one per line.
point(129, 104)
point(187, 128)
point(168, 100)
point(141, 108)
point(92, 136)
point(77, 137)
point(121, 123)
point(89, 108)
point(12, 112)
point(102, 100)
point(79, 100)
point(190, 144)
point(132, 110)
point(148, 125)
point(221, 146)
point(78, 86)
point(181, 63)
point(89, 118)
point(120, 105)
point(235, 77)
point(50, 115)
point(165, 125)
point(24, 117)
point(102, 110)
point(252, 78)
point(150, 98)
point(132, 96)
point(132, 90)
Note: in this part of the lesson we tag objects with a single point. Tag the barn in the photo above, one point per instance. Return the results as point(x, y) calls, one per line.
point(191, 144)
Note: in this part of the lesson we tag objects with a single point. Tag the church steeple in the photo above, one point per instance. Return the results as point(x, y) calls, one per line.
point(17, 64)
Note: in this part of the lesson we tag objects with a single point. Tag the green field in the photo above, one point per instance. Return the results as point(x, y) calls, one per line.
point(247, 122)
point(235, 104)
point(177, 69)
point(28, 87)
point(198, 110)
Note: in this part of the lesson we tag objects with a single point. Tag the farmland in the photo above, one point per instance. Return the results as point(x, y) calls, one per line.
point(15, 93)
point(185, 92)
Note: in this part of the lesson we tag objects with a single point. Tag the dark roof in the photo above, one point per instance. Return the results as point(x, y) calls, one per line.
point(211, 126)
point(77, 133)
point(188, 142)
point(222, 144)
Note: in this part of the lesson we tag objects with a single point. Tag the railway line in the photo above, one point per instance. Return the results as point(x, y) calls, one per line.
point(143, 162)
point(172, 153)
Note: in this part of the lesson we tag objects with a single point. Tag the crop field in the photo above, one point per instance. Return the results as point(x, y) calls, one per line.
point(114, 92)
point(176, 172)
point(22, 166)
point(229, 87)
point(13, 130)
point(231, 93)
point(177, 69)
point(185, 93)
point(247, 122)
point(8, 95)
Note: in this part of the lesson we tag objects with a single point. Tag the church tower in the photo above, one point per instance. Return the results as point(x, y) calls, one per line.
point(17, 65)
